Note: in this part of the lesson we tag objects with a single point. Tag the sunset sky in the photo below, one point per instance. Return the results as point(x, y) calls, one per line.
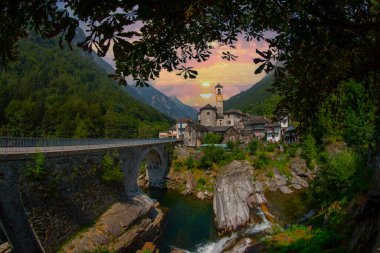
point(235, 76)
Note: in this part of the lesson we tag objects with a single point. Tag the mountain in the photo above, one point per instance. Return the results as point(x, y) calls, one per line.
point(51, 92)
point(172, 107)
point(257, 100)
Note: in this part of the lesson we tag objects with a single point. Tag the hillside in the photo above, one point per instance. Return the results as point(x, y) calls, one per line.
point(171, 106)
point(257, 99)
point(61, 93)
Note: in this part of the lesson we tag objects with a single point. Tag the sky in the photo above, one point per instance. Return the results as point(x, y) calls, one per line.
point(235, 76)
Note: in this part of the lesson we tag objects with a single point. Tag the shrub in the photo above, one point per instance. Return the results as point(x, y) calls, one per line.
point(253, 146)
point(261, 161)
point(309, 150)
point(230, 144)
point(338, 178)
point(270, 147)
point(190, 163)
point(212, 138)
point(202, 181)
point(111, 170)
point(38, 170)
point(177, 164)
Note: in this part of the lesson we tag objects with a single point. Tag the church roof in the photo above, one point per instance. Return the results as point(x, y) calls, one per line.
point(207, 107)
point(199, 127)
point(219, 129)
point(218, 86)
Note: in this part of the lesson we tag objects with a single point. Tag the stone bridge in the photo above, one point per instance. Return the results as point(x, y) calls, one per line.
point(18, 153)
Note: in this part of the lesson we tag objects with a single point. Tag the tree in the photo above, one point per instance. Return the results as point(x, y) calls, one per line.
point(313, 45)
point(212, 138)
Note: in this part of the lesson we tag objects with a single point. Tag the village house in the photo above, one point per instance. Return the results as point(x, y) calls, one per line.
point(193, 135)
point(232, 125)
point(172, 133)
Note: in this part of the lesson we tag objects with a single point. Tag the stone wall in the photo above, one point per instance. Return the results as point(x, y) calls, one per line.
point(208, 120)
point(71, 194)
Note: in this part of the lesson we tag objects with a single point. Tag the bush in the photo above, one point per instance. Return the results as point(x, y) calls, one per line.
point(261, 161)
point(177, 164)
point(111, 169)
point(37, 171)
point(309, 151)
point(230, 145)
point(253, 146)
point(202, 181)
point(338, 178)
point(212, 138)
point(190, 163)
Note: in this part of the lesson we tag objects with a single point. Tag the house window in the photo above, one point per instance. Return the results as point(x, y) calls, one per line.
point(228, 122)
point(189, 140)
point(208, 113)
point(220, 123)
point(232, 138)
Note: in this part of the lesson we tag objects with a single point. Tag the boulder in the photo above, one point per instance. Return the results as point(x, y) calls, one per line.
point(285, 189)
point(298, 182)
point(299, 167)
point(123, 227)
point(190, 184)
point(200, 195)
point(5, 248)
point(241, 246)
point(234, 186)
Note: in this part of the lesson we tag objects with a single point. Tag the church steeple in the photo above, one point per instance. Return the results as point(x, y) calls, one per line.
point(219, 98)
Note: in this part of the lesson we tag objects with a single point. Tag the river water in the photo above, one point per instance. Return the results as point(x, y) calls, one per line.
point(189, 225)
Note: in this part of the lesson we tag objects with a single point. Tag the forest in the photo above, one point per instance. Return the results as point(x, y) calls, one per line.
point(49, 92)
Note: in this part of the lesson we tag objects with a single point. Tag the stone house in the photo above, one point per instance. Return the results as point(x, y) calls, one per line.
point(193, 135)
point(256, 126)
point(273, 132)
point(232, 134)
point(290, 135)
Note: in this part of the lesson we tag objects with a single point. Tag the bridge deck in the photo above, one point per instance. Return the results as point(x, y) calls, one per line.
point(19, 146)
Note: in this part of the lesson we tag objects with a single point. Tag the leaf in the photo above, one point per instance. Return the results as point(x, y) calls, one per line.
point(260, 68)
point(257, 60)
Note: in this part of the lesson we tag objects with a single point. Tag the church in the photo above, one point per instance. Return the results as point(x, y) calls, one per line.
point(233, 125)
point(211, 116)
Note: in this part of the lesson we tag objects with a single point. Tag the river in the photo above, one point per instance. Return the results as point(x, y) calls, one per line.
point(189, 225)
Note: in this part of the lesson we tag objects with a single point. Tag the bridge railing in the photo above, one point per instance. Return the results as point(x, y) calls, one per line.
point(28, 145)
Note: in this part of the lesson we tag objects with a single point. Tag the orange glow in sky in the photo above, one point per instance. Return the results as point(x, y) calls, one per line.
point(235, 76)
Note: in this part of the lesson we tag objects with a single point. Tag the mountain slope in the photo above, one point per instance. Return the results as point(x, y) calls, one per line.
point(173, 108)
point(257, 99)
point(62, 93)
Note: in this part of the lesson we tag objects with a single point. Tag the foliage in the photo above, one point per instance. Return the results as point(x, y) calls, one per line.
point(309, 150)
point(230, 144)
point(212, 138)
point(318, 45)
point(340, 177)
point(190, 164)
point(53, 93)
point(303, 239)
point(111, 169)
point(253, 146)
point(202, 181)
point(261, 161)
point(177, 165)
point(211, 155)
point(38, 171)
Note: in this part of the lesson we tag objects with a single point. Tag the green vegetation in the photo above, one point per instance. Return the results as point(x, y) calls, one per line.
point(212, 138)
point(190, 164)
point(258, 99)
point(302, 239)
point(309, 150)
point(61, 93)
point(111, 169)
point(253, 146)
point(38, 171)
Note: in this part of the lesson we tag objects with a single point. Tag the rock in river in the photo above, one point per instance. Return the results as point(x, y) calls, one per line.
point(234, 186)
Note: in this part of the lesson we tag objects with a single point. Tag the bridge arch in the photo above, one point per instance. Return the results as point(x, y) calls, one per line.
point(156, 166)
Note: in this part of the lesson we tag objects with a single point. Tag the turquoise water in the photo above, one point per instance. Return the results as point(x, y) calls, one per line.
point(188, 221)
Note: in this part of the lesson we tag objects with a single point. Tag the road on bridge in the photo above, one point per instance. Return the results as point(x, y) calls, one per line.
point(14, 146)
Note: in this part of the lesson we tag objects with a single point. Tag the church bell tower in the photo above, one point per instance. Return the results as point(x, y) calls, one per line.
point(219, 99)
